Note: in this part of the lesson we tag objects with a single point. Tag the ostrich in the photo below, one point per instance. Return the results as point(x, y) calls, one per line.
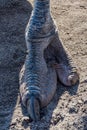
point(46, 60)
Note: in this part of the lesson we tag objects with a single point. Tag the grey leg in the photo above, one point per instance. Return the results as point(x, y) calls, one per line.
point(66, 69)
point(37, 80)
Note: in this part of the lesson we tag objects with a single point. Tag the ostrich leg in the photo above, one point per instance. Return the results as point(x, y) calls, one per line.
point(46, 54)
point(37, 78)
point(66, 69)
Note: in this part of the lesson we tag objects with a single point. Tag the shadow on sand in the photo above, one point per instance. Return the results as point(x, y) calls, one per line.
point(13, 22)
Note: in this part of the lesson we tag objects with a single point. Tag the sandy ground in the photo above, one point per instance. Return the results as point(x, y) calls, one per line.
point(68, 109)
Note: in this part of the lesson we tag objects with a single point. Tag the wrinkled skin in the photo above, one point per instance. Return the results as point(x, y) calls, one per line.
point(46, 60)
point(66, 70)
point(38, 80)
point(48, 84)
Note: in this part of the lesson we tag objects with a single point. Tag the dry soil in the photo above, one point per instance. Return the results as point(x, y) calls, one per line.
point(68, 109)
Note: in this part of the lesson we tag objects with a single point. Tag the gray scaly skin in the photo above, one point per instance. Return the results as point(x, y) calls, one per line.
point(46, 56)
point(66, 70)
point(38, 80)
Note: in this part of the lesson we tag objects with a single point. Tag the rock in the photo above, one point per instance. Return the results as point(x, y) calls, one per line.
point(73, 110)
point(26, 119)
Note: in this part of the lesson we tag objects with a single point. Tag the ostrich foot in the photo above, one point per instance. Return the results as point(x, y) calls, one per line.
point(33, 108)
point(67, 75)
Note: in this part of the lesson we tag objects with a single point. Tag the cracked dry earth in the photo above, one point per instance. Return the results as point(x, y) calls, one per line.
point(68, 109)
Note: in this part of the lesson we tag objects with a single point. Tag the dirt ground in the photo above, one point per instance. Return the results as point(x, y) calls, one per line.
point(68, 109)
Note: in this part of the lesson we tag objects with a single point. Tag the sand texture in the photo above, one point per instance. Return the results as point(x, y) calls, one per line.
point(68, 109)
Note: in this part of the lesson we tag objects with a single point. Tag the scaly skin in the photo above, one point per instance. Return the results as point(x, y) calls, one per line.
point(66, 69)
point(46, 56)
point(38, 81)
